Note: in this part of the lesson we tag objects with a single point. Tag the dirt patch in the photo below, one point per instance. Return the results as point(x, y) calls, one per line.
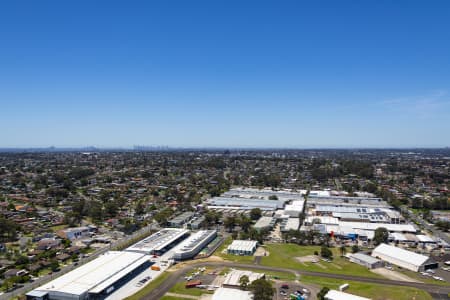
point(308, 258)
point(393, 275)
point(192, 262)
point(261, 251)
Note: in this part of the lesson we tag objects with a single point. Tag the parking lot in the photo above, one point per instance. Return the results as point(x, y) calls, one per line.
point(285, 289)
point(142, 279)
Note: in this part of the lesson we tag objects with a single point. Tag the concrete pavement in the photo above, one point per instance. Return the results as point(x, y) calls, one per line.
point(439, 292)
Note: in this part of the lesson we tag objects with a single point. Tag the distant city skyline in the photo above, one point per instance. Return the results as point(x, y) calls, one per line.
point(234, 74)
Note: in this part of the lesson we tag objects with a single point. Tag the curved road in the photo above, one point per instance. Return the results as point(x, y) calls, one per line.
point(437, 291)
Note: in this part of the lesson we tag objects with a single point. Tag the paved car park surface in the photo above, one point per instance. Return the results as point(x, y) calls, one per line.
point(142, 279)
point(285, 289)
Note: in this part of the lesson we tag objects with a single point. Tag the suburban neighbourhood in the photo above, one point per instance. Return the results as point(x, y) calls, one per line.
point(107, 225)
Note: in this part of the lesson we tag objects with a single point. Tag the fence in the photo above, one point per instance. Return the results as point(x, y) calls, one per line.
point(118, 245)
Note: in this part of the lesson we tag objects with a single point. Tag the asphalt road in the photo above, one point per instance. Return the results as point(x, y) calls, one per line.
point(438, 292)
point(435, 231)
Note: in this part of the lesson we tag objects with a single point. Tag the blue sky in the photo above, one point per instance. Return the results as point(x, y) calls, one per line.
point(225, 73)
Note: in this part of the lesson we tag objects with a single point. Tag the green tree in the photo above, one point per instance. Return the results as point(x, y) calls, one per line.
point(262, 289)
point(96, 211)
point(230, 222)
point(111, 208)
point(22, 260)
point(8, 230)
point(245, 222)
point(381, 235)
point(255, 213)
point(322, 293)
point(54, 265)
point(443, 225)
point(325, 252)
point(355, 248)
point(140, 208)
point(243, 282)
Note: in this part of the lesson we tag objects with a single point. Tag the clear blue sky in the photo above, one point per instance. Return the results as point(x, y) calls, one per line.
point(225, 73)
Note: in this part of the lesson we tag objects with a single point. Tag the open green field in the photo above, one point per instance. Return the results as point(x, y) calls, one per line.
point(284, 255)
point(371, 290)
point(180, 289)
point(173, 298)
point(152, 285)
point(235, 258)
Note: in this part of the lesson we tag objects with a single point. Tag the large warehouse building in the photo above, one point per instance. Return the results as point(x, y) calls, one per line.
point(159, 242)
point(404, 258)
point(191, 246)
point(94, 280)
point(243, 203)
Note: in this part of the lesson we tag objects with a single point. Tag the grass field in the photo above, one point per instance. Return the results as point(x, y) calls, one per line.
point(284, 255)
point(370, 290)
point(173, 298)
point(229, 257)
point(153, 284)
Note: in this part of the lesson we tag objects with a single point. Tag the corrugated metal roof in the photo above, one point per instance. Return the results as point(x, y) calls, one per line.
point(400, 254)
point(336, 295)
point(92, 274)
point(227, 294)
point(363, 257)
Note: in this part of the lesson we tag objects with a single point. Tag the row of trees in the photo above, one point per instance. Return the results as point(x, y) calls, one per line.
point(8, 230)
point(440, 203)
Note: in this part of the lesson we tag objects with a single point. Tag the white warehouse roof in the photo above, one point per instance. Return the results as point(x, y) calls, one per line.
point(158, 240)
point(265, 222)
point(232, 278)
point(374, 226)
point(291, 224)
point(336, 295)
point(227, 294)
point(194, 243)
point(96, 274)
point(240, 245)
point(425, 239)
point(400, 257)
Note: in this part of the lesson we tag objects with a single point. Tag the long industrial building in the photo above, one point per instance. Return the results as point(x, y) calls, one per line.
point(264, 193)
point(290, 224)
point(159, 242)
point(404, 258)
point(194, 244)
point(265, 223)
point(365, 260)
point(243, 203)
point(94, 280)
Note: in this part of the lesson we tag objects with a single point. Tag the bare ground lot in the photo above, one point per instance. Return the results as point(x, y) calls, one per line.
point(393, 275)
